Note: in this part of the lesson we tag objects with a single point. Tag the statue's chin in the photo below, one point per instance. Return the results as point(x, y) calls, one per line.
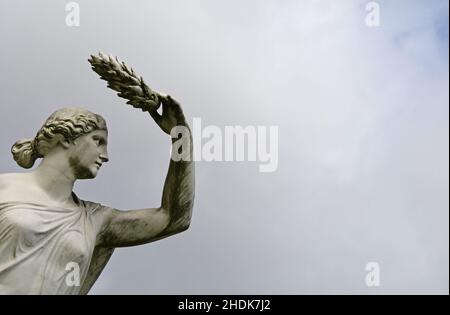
point(85, 173)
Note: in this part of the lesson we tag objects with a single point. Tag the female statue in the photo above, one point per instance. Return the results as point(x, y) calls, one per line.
point(46, 231)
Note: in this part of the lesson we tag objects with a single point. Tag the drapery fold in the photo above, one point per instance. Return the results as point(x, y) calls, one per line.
point(39, 247)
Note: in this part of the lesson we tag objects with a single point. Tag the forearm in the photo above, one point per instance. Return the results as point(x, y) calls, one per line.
point(179, 187)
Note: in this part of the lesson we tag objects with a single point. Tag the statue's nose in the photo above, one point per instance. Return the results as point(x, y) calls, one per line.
point(104, 157)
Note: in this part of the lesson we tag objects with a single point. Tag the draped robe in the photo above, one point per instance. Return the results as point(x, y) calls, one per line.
point(49, 250)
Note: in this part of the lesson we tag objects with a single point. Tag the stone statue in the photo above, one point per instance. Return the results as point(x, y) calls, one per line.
point(46, 232)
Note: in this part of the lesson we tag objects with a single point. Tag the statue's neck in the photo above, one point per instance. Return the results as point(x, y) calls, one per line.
point(55, 178)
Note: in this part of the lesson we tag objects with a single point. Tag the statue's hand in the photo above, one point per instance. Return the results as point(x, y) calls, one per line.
point(172, 114)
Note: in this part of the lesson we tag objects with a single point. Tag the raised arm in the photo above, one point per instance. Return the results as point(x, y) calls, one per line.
point(128, 228)
point(135, 227)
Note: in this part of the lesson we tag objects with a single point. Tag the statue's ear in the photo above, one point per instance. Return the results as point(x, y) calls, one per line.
point(65, 143)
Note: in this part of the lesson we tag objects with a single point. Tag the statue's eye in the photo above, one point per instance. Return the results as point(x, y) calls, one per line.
point(98, 140)
point(152, 97)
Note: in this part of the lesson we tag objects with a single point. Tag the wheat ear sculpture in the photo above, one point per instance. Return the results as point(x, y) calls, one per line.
point(122, 79)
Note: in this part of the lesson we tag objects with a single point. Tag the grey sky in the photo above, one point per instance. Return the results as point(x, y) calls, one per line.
point(363, 136)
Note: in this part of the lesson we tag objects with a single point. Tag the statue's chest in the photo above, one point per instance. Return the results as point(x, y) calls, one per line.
point(63, 236)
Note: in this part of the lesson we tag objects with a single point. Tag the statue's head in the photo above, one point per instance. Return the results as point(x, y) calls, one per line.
point(76, 135)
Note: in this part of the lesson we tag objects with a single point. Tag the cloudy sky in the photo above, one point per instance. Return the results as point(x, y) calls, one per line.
point(363, 142)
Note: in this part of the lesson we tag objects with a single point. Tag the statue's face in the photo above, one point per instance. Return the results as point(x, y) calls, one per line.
point(87, 154)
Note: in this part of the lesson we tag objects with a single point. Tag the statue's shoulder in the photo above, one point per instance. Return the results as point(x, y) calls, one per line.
point(10, 182)
point(8, 179)
point(94, 207)
point(11, 178)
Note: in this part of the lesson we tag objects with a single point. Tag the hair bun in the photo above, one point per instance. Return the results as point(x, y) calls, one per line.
point(24, 153)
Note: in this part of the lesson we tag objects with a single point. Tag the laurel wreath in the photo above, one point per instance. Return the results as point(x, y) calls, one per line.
point(124, 80)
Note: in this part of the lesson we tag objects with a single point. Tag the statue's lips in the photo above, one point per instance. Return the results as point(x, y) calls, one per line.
point(98, 164)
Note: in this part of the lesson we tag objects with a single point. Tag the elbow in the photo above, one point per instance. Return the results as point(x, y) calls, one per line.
point(182, 227)
point(177, 227)
point(185, 227)
point(176, 230)
point(180, 224)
